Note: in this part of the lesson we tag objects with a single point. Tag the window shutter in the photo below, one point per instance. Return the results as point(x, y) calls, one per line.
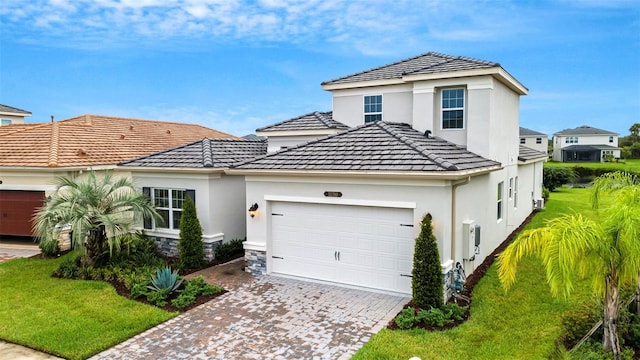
point(192, 194)
point(147, 220)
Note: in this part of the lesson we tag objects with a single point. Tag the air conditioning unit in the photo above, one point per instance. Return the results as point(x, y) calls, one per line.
point(470, 239)
point(538, 204)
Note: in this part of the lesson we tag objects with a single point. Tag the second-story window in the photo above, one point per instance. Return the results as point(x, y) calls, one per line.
point(538, 140)
point(523, 141)
point(571, 140)
point(610, 139)
point(453, 108)
point(372, 108)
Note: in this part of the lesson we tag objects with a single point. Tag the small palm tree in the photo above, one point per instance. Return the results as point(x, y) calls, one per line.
point(607, 252)
point(97, 209)
point(612, 182)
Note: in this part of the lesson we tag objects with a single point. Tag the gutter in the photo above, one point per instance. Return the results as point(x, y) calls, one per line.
point(455, 186)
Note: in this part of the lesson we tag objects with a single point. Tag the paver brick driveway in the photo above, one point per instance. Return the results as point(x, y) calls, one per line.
point(268, 317)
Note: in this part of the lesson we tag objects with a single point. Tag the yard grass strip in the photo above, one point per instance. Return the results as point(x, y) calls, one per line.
point(70, 318)
point(523, 323)
point(626, 165)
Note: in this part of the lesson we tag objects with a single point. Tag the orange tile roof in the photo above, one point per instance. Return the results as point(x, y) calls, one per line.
point(94, 140)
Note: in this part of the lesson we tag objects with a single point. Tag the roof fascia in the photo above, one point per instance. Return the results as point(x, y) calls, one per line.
point(360, 84)
point(273, 133)
point(497, 72)
point(531, 161)
point(426, 175)
point(182, 170)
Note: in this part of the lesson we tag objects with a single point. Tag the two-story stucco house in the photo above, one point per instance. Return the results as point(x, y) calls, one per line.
point(12, 115)
point(433, 134)
point(585, 144)
point(533, 139)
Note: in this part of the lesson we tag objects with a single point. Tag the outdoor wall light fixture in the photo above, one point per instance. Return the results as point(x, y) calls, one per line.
point(253, 210)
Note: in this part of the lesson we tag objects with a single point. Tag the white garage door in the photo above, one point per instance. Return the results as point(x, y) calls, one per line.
point(355, 245)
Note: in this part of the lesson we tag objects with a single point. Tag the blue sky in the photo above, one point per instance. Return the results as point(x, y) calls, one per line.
point(238, 65)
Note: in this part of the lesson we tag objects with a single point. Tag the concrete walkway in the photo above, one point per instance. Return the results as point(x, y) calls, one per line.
point(266, 317)
point(13, 250)
point(9, 351)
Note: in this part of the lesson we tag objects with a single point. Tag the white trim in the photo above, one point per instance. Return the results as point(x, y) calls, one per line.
point(28, 187)
point(308, 132)
point(341, 201)
point(447, 266)
point(212, 238)
point(255, 246)
point(364, 104)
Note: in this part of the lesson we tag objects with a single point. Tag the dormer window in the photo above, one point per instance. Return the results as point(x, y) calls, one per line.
point(453, 108)
point(372, 108)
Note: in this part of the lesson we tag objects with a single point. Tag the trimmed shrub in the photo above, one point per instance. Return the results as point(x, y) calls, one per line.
point(577, 323)
point(554, 177)
point(406, 319)
point(49, 247)
point(427, 281)
point(228, 250)
point(190, 244)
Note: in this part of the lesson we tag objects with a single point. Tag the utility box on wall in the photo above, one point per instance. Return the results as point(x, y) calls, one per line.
point(468, 240)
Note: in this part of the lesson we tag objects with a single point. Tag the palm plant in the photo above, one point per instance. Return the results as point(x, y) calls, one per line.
point(97, 209)
point(607, 252)
point(611, 182)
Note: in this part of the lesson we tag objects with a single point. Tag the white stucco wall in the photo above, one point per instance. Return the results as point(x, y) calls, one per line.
point(397, 104)
point(530, 141)
point(275, 143)
point(220, 201)
point(15, 119)
point(474, 201)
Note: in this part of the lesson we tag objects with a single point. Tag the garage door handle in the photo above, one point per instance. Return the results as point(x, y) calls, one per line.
point(407, 225)
point(335, 255)
point(406, 275)
point(277, 257)
point(338, 255)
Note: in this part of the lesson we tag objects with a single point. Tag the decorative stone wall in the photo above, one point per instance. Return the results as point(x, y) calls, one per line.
point(256, 262)
point(169, 247)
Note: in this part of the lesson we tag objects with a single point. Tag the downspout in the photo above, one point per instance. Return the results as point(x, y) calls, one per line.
point(454, 186)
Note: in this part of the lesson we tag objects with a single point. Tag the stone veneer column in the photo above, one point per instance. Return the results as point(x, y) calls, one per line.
point(256, 262)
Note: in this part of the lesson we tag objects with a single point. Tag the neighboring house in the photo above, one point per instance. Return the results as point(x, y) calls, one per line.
point(196, 169)
point(585, 144)
point(33, 155)
point(10, 115)
point(300, 130)
point(433, 134)
point(534, 140)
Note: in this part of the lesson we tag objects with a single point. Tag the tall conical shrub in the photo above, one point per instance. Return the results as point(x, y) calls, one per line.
point(427, 281)
point(190, 244)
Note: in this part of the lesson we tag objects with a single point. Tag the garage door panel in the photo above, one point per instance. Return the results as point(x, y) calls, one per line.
point(16, 210)
point(356, 245)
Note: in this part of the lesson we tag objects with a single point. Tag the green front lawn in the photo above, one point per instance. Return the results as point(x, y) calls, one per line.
point(520, 324)
point(70, 318)
point(626, 165)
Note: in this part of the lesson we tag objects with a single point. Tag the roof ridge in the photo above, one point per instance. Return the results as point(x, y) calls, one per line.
point(26, 128)
point(415, 146)
point(323, 118)
point(380, 67)
point(283, 150)
point(55, 137)
point(207, 157)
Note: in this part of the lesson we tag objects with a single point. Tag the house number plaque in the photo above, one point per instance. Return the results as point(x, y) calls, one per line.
point(332, 194)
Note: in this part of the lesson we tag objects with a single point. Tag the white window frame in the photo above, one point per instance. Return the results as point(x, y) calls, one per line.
point(571, 140)
point(523, 141)
point(539, 140)
point(450, 109)
point(172, 210)
point(611, 139)
point(5, 122)
point(499, 208)
point(371, 113)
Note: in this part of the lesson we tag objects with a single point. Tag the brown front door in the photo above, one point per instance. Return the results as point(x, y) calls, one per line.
point(17, 209)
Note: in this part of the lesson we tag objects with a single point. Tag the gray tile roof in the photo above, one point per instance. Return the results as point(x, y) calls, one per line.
point(378, 146)
point(205, 153)
point(312, 121)
point(428, 63)
point(529, 132)
point(584, 130)
point(527, 153)
point(254, 137)
point(11, 109)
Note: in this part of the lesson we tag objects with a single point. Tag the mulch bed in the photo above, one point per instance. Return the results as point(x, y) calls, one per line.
point(472, 280)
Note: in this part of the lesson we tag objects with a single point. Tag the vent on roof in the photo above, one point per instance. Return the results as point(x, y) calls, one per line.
point(169, 132)
point(81, 152)
point(122, 136)
point(130, 127)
